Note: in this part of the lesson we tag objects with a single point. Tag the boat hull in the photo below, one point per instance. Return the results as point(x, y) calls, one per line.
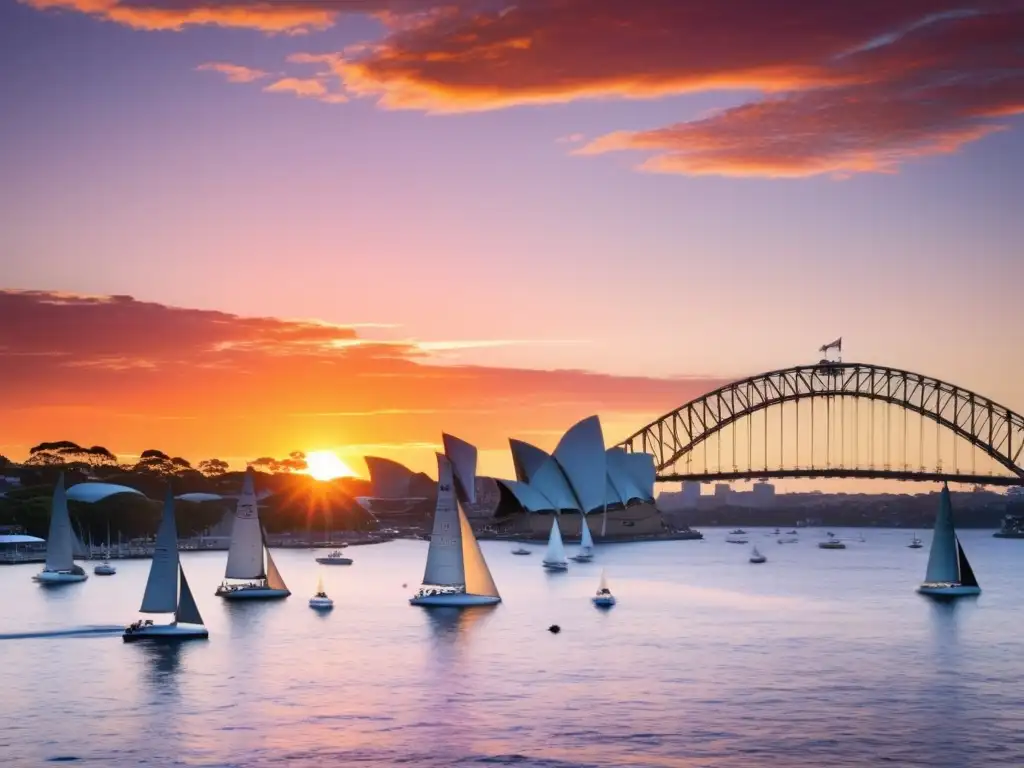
point(831, 546)
point(334, 560)
point(521, 552)
point(948, 590)
point(321, 603)
point(460, 600)
point(555, 566)
point(603, 602)
point(104, 570)
point(758, 560)
point(166, 633)
point(252, 593)
point(581, 558)
point(59, 577)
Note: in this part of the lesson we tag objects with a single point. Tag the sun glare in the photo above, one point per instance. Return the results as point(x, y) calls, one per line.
point(325, 465)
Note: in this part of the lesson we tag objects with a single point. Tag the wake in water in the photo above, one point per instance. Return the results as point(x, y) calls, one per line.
point(93, 631)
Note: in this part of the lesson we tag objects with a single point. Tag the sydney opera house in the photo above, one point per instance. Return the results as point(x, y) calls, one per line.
point(612, 488)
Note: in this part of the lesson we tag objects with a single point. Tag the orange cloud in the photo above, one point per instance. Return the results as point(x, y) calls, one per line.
point(132, 375)
point(234, 73)
point(308, 88)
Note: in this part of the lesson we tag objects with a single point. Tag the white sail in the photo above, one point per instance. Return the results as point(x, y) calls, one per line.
point(245, 557)
point(188, 611)
point(586, 540)
point(161, 594)
point(274, 580)
point(604, 582)
point(478, 576)
point(604, 523)
point(445, 565)
point(943, 562)
point(60, 540)
point(320, 584)
point(556, 550)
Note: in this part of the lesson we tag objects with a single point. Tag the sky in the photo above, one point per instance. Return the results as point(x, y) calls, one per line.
point(350, 224)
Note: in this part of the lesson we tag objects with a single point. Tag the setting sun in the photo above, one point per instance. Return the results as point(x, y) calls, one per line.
point(325, 465)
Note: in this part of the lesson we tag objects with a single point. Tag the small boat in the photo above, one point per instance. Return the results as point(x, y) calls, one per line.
point(320, 601)
point(735, 540)
point(915, 543)
point(521, 550)
point(788, 539)
point(757, 557)
point(791, 533)
point(738, 532)
point(775, 532)
point(246, 554)
point(335, 558)
point(162, 590)
point(104, 569)
point(831, 543)
point(604, 597)
point(949, 574)
point(554, 558)
point(60, 565)
point(586, 553)
point(456, 574)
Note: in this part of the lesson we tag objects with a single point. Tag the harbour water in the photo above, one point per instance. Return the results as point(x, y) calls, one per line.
point(815, 658)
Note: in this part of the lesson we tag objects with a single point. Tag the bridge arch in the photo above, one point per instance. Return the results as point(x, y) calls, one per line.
point(990, 427)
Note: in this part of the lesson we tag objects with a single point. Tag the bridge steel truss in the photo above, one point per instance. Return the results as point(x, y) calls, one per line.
point(992, 428)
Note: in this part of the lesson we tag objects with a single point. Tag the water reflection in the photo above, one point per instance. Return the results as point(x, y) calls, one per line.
point(943, 690)
point(452, 626)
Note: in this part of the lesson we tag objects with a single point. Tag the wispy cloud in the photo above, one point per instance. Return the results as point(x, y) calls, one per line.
point(234, 73)
point(306, 88)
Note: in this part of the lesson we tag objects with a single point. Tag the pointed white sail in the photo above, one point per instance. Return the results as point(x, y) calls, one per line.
point(161, 594)
point(586, 540)
point(444, 558)
point(60, 540)
point(943, 565)
point(478, 576)
point(274, 580)
point(604, 582)
point(188, 611)
point(245, 557)
point(604, 523)
point(320, 584)
point(556, 550)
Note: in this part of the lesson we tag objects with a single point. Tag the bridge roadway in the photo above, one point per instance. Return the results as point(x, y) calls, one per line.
point(863, 474)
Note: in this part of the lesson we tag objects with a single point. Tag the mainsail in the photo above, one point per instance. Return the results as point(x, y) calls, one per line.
point(188, 611)
point(586, 540)
point(967, 577)
point(556, 551)
point(943, 560)
point(161, 594)
point(445, 565)
point(245, 557)
point(60, 540)
point(604, 582)
point(478, 576)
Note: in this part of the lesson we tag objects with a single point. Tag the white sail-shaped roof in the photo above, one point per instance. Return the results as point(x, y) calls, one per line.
point(60, 540)
point(478, 576)
point(444, 557)
point(93, 492)
point(245, 556)
point(529, 498)
point(389, 479)
point(527, 459)
point(943, 559)
point(580, 454)
point(462, 456)
point(640, 467)
point(620, 477)
point(161, 594)
point(612, 496)
point(541, 471)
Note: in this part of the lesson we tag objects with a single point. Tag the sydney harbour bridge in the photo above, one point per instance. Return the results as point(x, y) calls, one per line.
point(838, 420)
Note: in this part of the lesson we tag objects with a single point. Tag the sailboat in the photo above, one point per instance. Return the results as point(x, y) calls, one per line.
point(60, 565)
point(949, 574)
point(105, 568)
point(162, 590)
point(604, 597)
point(456, 574)
point(554, 558)
point(586, 553)
point(246, 554)
point(320, 601)
point(756, 557)
point(915, 543)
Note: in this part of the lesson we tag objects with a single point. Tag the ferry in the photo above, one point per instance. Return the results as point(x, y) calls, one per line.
point(1013, 528)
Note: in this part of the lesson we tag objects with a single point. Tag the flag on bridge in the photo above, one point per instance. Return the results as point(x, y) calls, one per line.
point(836, 345)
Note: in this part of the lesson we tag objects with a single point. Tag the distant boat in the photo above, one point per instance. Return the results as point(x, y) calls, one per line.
point(60, 565)
point(791, 533)
point(554, 558)
point(320, 601)
point(246, 554)
point(831, 543)
point(757, 557)
point(788, 539)
point(105, 568)
point(915, 543)
point(335, 558)
point(521, 550)
point(735, 540)
point(604, 597)
point(162, 595)
point(456, 574)
point(949, 574)
point(586, 553)
point(738, 532)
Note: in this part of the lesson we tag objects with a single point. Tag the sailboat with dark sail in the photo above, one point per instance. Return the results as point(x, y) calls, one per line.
point(249, 558)
point(162, 593)
point(949, 573)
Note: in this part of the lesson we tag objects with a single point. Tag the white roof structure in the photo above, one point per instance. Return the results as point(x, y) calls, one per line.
point(389, 479)
point(19, 538)
point(93, 492)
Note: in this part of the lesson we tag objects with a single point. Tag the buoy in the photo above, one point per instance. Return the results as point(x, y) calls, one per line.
point(554, 629)
point(405, 586)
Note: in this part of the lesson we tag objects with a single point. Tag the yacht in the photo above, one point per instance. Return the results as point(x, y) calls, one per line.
point(554, 558)
point(586, 553)
point(335, 558)
point(162, 595)
point(735, 540)
point(1012, 528)
point(604, 597)
point(788, 539)
point(105, 568)
point(320, 601)
point(831, 542)
point(915, 543)
point(949, 574)
point(757, 557)
point(456, 574)
point(738, 532)
point(60, 565)
point(521, 550)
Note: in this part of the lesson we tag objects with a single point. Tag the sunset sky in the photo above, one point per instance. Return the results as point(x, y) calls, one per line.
point(350, 224)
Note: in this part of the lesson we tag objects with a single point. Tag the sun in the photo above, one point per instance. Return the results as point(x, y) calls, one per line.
point(325, 465)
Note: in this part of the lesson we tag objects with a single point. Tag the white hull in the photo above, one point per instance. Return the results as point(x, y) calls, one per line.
point(334, 560)
point(59, 577)
point(251, 593)
point(166, 632)
point(948, 590)
point(104, 569)
point(321, 603)
point(563, 566)
point(459, 600)
point(604, 602)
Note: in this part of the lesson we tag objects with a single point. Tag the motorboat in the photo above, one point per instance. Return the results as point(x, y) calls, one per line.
point(320, 601)
point(60, 565)
point(262, 580)
point(335, 558)
point(736, 540)
point(915, 543)
point(757, 557)
point(521, 550)
point(586, 553)
point(949, 574)
point(604, 597)
point(554, 557)
point(456, 574)
point(738, 532)
point(791, 533)
point(162, 595)
point(831, 542)
point(104, 569)
point(787, 539)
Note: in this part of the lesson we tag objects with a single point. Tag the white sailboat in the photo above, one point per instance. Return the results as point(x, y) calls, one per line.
point(262, 581)
point(60, 565)
point(554, 558)
point(456, 574)
point(604, 597)
point(949, 574)
point(105, 568)
point(320, 601)
point(756, 557)
point(162, 590)
point(586, 553)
